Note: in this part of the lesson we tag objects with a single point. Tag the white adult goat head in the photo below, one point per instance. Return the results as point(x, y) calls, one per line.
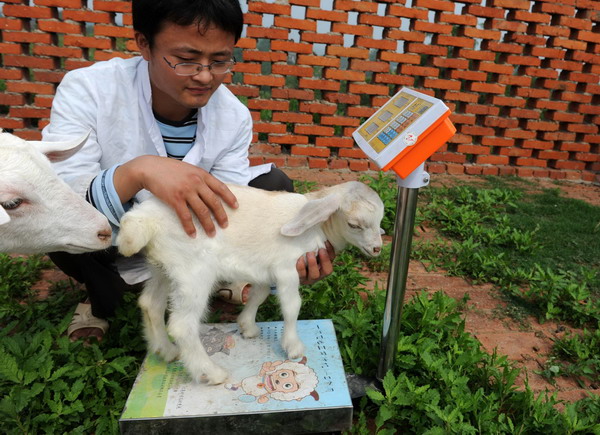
point(38, 211)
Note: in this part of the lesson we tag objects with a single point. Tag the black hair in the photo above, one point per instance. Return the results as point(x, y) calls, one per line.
point(150, 15)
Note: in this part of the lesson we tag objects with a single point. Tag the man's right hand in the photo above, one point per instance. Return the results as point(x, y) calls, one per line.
point(184, 187)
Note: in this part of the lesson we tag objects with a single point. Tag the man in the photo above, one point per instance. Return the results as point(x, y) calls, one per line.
point(161, 124)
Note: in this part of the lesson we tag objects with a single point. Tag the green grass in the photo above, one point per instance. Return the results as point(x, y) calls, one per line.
point(536, 249)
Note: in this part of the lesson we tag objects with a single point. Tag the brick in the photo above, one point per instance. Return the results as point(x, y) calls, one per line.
point(112, 6)
point(56, 26)
point(74, 4)
point(351, 5)
point(383, 44)
point(319, 38)
point(11, 99)
point(455, 41)
point(261, 80)
point(317, 14)
point(367, 65)
point(6, 48)
point(440, 5)
point(11, 74)
point(338, 74)
point(265, 56)
point(323, 109)
point(10, 24)
point(355, 153)
point(562, 164)
point(256, 104)
point(29, 112)
point(292, 23)
point(288, 139)
point(314, 130)
point(318, 61)
point(291, 70)
point(269, 8)
point(269, 33)
point(359, 165)
point(538, 144)
point(359, 53)
point(340, 120)
point(511, 4)
point(335, 142)
point(26, 11)
point(291, 47)
point(553, 155)
point(413, 70)
point(114, 31)
point(27, 37)
point(492, 160)
point(336, 97)
point(319, 84)
point(347, 29)
point(29, 88)
point(48, 50)
point(28, 62)
point(310, 151)
point(368, 89)
point(298, 94)
point(442, 84)
point(87, 42)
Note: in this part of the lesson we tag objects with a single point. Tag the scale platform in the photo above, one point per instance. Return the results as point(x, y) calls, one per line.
point(312, 395)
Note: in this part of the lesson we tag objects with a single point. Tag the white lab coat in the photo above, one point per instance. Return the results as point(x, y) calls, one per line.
point(114, 100)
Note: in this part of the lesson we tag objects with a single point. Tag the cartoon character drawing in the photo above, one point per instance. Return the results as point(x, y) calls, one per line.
point(216, 340)
point(279, 380)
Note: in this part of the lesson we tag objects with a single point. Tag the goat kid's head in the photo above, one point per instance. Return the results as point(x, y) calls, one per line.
point(351, 213)
point(38, 211)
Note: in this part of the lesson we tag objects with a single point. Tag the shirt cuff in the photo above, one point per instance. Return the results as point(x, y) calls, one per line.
point(104, 197)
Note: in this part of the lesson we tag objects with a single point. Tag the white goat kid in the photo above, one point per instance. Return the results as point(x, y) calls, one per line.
point(38, 211)
point(262, 243)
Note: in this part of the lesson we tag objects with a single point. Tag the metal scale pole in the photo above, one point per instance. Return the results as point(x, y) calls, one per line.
point(406, 208)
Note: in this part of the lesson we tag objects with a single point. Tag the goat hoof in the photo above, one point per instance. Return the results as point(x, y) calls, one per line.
point(250, 331)
point(217, 376)
point(169, 354)
point(294, 350)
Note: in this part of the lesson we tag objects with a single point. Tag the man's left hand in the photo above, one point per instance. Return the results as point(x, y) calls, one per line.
point(316, 266)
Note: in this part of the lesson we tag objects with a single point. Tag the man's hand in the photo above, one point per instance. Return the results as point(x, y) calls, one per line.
point(316, 267)
point(184, 187)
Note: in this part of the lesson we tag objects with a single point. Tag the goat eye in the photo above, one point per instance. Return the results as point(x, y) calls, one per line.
point(12, 204)
point(354, 226)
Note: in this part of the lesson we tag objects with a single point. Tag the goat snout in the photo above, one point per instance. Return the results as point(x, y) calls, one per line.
point(377, 250)
point(105, 234)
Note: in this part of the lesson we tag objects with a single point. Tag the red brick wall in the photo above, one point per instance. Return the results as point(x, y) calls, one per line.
point(521, 76)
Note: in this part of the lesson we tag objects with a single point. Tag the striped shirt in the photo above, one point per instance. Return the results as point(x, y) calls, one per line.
point(178, 137)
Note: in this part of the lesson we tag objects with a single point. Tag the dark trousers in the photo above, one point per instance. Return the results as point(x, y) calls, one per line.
point(98, 272)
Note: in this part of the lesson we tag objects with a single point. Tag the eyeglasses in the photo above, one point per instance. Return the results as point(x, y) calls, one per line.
point(193, 68)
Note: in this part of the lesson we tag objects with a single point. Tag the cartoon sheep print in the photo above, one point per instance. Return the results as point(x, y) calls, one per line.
point(279, 380)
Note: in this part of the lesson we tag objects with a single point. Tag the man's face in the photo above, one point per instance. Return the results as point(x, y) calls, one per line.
point(174, 96)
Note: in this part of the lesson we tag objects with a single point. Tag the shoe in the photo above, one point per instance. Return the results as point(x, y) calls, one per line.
point(236, 293)
point(84, 319)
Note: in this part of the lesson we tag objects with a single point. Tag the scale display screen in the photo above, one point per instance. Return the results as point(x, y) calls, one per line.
point(393, 119)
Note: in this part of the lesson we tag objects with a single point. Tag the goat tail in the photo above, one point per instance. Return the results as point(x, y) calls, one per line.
point(135, 233)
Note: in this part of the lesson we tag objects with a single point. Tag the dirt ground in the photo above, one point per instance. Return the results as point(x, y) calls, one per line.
point(527, 342)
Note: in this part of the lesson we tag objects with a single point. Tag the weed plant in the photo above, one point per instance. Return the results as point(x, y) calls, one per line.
point(442, 383)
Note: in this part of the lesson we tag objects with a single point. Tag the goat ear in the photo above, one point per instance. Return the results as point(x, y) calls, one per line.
point(4, 217)
point(59, 151)
point(313, 213)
